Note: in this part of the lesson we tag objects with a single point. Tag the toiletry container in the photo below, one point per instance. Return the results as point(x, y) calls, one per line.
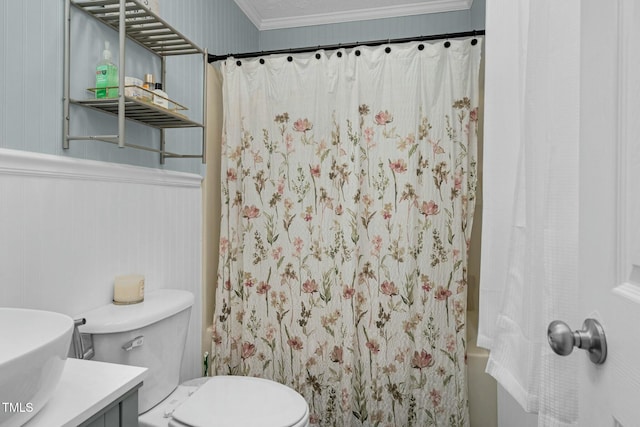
point(160, 97)
point(149, 84)
point(106, 75)
point(153, 334)
point(132, 87)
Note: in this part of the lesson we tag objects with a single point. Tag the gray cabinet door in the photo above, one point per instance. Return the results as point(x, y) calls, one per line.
point(123, 412)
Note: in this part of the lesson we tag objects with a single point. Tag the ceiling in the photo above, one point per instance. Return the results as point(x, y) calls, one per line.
point(274, 14)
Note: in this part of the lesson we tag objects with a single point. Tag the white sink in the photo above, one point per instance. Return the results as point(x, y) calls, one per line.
point(33, 350)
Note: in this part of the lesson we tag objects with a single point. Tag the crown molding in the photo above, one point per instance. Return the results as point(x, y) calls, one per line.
point(421, 8)
point(247, 8)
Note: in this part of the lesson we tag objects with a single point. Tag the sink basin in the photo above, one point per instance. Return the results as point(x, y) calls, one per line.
point(33, 352)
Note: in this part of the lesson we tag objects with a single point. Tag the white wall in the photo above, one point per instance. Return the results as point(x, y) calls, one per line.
point(69, 226)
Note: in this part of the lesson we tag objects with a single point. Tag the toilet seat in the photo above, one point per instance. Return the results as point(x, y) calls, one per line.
point(233, 401)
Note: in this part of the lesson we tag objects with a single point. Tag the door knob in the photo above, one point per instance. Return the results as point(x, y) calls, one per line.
point(591, 338)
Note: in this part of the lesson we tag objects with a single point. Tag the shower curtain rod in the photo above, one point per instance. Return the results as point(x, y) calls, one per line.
point(214, 58)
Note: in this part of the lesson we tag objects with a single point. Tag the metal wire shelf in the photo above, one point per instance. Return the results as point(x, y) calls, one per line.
point(140, 111)
point(142, 26)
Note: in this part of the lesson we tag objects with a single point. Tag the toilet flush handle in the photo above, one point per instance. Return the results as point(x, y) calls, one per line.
point(136, 342)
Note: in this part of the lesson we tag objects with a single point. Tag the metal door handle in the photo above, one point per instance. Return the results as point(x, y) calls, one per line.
point(590, 338)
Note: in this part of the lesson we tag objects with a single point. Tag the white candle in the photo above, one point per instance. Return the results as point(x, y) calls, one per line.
point(128, 289)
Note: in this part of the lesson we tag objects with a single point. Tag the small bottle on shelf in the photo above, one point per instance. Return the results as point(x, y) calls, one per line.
point(160, 97)
point(150, 86)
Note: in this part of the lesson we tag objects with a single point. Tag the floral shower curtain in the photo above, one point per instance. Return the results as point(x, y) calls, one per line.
point(348, 191)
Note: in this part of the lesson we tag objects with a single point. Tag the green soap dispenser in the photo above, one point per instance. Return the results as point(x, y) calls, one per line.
point(106, 75)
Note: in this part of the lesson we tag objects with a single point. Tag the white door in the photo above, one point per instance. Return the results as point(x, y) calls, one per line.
point(610, 208)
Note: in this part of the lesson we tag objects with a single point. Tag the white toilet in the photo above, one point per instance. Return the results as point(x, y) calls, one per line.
point(153, 334)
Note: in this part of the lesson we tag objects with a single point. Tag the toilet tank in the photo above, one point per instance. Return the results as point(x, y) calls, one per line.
point(151, 334)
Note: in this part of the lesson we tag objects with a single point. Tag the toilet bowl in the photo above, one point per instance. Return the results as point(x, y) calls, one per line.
point(153, 334)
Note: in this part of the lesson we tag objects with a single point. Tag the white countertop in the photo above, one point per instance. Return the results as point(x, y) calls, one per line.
point(85, 388)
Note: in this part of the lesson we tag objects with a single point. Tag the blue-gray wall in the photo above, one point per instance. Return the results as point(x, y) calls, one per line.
point(31, 59)
point(378, 29)
point(31, 75)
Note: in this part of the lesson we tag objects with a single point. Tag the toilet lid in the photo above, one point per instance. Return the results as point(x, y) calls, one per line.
point(237, 401)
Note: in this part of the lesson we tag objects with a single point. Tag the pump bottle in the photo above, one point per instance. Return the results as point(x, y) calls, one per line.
point(106, 76)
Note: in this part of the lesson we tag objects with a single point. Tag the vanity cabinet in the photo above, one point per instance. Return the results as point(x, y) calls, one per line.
point(123, 412)
point(133, 21)
point(93, 394)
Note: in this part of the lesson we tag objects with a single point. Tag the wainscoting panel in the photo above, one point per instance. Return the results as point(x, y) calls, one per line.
point(69, 226)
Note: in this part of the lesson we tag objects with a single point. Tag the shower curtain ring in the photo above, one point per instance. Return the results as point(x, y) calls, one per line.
point(474, 41)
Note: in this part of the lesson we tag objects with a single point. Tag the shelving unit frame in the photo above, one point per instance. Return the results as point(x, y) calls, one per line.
point(133, 21)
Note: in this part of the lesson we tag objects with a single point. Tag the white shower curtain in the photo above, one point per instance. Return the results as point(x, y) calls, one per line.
point(530, 198)
point(348, 193)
